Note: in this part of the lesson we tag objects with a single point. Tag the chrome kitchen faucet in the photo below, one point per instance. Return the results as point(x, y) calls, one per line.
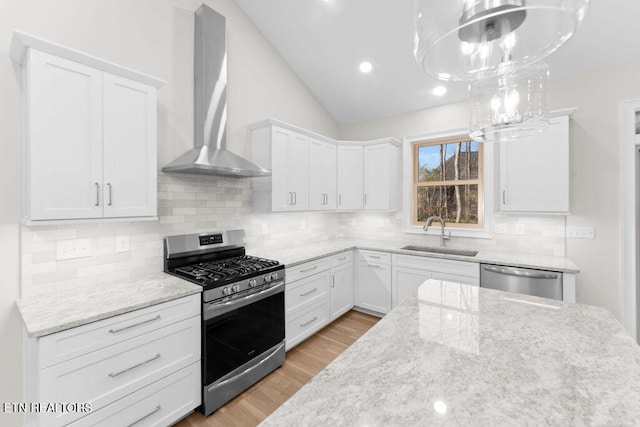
point(443, 237)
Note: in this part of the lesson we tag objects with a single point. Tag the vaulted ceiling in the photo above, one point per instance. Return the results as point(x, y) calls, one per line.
point(324, 41)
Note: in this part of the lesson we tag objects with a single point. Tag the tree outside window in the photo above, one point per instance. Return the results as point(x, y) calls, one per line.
point(447, 181)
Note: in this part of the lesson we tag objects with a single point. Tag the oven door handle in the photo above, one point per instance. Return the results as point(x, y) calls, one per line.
point(216, 309)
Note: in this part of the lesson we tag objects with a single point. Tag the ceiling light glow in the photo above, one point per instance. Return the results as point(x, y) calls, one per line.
point(366, 67)
point(439, 90)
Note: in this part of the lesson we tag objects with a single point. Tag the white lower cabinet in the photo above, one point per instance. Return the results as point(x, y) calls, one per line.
point(317, 292)
point(410, 271)
point(306, 300)
point(341, 287)
point(143, 365)
point(373, 285)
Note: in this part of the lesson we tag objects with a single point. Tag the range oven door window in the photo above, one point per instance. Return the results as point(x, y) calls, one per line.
point(237, 336)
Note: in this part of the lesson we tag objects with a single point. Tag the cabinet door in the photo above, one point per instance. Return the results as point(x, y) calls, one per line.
point(299, 171)
point(341, 290)
point(374, 287)
point(129, 141)
point(350, 177)
point(405, 282)
point(64, 105)
point(534, 173)
point(281, 195)
point(322, 175)
point(377, 177)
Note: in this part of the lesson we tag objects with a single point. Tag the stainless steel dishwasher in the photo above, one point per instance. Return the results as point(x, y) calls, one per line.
point(528, 281)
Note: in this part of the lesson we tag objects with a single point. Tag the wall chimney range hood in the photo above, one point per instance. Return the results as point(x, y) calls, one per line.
point(210, 155)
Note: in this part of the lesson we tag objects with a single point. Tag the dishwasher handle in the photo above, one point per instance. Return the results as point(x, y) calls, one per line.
point(509, 271)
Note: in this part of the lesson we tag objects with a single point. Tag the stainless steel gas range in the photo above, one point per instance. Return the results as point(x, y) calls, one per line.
point(243, 324)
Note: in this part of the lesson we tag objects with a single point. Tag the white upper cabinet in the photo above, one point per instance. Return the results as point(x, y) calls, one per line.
point(313, 172)
point(534, 172)
point(381, 176)
point(322, 175)
point(285, 153)
point(90, 135)
point(350, 177)
point(129, 148)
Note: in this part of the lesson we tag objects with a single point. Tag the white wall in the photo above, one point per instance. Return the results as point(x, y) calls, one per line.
point(593, 165)
point(155, 37)
point(10, 202)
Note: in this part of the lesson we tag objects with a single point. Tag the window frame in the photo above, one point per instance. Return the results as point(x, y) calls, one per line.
point(409, 146)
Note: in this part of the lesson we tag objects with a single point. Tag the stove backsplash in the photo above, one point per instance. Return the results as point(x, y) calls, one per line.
point(186, 204)
point(193, 203)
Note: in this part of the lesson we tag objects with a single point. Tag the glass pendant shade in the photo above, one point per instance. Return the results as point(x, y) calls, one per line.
point(511, 106)
point(474, 39)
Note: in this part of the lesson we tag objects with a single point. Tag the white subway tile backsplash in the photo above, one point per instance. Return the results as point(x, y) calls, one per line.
point(192, 204)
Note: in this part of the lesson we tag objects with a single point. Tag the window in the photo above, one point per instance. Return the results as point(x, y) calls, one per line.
point(448, 182)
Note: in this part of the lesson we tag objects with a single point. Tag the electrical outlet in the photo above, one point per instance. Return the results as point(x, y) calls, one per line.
point(500, 228)
point(303, 225)
point(353, 221)
point(584, 232)
point(519, 229)
point(70, 249)
point(122, 243)
point(265, 228)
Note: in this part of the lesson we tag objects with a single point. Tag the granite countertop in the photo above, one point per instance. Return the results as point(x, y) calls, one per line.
point(47, 314)
point(295, 255)
point(460, 355)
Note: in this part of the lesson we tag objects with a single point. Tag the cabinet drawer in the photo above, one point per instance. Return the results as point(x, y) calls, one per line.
point(376, 257)
point(307, 269)
point(159, 404)
point(306, 323)
point(103, 376)
point(306, 291)
point(341, 258)
point(65, 345)
point(451, 266)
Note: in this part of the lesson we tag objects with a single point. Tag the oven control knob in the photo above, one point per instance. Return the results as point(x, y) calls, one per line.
point(252, 283)
point(267, 278)
point(274, 276)
point(226, 291)
point(235, 288)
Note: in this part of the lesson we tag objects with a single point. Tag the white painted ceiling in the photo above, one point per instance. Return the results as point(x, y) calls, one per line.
point(324, 41)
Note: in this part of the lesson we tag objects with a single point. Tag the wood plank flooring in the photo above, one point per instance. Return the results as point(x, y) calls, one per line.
point(302, 363)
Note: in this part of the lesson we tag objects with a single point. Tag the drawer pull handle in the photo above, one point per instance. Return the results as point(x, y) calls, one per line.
point(374, 256)
point(113, 375)
point(309, 293)
point(145, 417)
point(342, 258)
point(309, 322)
point(374, 265)
point(309, 269)
point(115, 331)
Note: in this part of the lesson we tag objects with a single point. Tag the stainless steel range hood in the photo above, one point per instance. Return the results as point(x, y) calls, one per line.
point(210, 155)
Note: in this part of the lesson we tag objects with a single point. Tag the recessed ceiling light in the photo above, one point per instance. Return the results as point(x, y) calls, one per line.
point(366, 67)
point(439, 90)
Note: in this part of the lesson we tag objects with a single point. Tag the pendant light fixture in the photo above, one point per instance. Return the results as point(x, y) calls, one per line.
point(510, 106)
point(490, 43)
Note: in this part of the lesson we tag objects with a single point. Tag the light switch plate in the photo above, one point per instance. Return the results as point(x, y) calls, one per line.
point(582, 232)
point(500, 228)
point(519, 229)
point(122, 243)
point(70, 249)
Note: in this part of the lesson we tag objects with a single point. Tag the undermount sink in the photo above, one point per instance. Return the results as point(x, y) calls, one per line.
point(440, 250)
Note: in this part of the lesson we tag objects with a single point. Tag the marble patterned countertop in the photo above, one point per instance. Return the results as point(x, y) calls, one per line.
point(295, 255)
point(47, 314)
point(462, 355)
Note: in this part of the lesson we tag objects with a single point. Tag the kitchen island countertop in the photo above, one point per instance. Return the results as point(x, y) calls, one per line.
point(461, 355)
point(46, 314)
point(298, 254)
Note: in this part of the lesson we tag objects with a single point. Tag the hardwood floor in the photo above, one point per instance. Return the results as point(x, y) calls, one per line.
point(303, 362)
